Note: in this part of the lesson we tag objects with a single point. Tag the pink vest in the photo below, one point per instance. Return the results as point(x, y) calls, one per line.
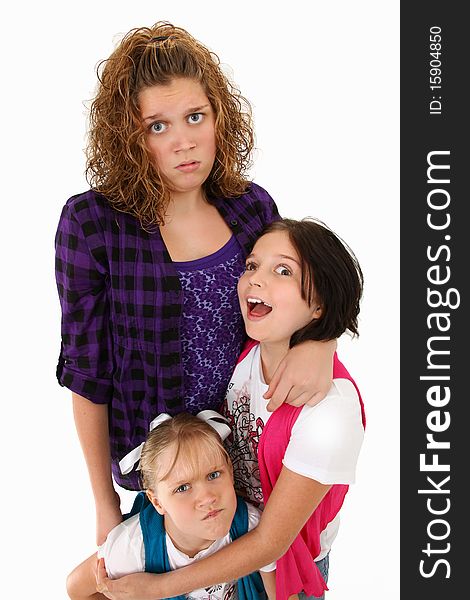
point(296, 570)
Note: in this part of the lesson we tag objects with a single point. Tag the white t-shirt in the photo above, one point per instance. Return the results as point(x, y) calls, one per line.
point(325, 439)
point(124, 553)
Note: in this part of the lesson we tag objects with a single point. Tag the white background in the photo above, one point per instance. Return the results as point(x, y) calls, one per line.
point(323, 81)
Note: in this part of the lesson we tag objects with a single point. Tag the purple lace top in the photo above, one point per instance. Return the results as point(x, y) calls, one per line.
point(212, 326)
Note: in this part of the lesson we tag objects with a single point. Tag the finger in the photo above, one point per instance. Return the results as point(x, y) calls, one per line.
point(297, 400)
point(316, 398)
point(280, 394)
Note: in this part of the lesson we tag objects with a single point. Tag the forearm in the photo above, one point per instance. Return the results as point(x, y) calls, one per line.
point(243, 556)
point(91, 422)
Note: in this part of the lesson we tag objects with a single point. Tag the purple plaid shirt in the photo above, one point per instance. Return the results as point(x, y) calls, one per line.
point(121, 305)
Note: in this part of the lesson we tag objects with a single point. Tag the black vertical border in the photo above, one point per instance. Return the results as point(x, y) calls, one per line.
point(420, 134)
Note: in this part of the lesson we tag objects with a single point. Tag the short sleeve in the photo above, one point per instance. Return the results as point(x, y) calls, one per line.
point(123, 551)
point(85, 362)
point(326, 438)
point(254, 516)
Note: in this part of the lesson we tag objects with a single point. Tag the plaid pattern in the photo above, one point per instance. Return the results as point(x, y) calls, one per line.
point(121, 303)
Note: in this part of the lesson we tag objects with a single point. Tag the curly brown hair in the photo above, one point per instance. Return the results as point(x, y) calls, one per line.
point(119, 165)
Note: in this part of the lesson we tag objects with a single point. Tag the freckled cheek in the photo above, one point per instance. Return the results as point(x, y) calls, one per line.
point(208, 140)
point(158, 155)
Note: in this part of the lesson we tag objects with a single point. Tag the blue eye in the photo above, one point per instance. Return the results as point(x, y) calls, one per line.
point(158, 127)
point(283, 270)
point(213, 475)
point(195, 118)
point(182, 488)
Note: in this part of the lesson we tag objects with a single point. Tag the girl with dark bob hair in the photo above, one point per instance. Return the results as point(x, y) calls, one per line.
point(331, 276)
point(147, 260)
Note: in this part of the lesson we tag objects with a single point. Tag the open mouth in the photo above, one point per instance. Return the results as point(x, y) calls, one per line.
point(258, 308)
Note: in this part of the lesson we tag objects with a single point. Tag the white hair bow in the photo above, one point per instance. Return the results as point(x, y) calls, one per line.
point(126, 464)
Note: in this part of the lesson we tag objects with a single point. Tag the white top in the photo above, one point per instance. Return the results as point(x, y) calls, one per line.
point(325, 439)
point(124, 553)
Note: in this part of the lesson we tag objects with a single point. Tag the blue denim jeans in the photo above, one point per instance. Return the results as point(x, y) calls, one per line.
point(324, 566)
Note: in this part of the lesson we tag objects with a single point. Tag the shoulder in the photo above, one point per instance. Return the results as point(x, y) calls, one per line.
point(123, 549)
point(326, 438)
point(129, 530)
point(257, 192)
point(257, 196)
point(87, 206)
point(255, 202)
point(340, 410)
point(87, 224)
point(90, 218)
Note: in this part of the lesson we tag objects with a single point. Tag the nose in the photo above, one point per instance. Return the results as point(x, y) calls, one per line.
point(183, 140)
point(206, 498)
point(255, 279)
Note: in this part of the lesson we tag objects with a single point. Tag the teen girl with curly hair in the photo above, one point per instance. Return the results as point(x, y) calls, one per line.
point(148, 259)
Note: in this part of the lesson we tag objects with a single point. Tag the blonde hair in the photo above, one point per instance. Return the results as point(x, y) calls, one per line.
point(118, 162)
point(185, 434)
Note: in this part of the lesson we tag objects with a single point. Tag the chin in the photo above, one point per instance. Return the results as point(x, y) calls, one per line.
point(255, 334)
point(221, 531)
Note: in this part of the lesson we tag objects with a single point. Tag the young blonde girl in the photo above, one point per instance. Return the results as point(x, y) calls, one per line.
point(301, 282)
point(189, 510)
point(147, 260)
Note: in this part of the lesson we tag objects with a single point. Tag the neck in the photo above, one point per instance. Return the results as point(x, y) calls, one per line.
point(187, 544)
point(185, 203)
point(271, 355)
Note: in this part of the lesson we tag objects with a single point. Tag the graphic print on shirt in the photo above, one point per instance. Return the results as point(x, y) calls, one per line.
point(220, 591)
point(242, 444)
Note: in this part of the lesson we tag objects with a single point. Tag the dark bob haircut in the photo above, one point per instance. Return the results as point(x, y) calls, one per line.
point(331, 278)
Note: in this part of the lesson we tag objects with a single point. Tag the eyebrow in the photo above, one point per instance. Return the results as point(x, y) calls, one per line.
point(189, 111)
point(191, 477)
point(278, 256)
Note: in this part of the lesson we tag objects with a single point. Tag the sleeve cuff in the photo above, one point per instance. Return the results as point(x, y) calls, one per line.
point(97, 390)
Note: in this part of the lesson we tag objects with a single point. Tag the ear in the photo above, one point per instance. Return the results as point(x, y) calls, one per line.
point(317, 311)
point(154, 501)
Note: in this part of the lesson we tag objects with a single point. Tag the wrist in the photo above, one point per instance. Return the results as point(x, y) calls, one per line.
point(106, 499)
